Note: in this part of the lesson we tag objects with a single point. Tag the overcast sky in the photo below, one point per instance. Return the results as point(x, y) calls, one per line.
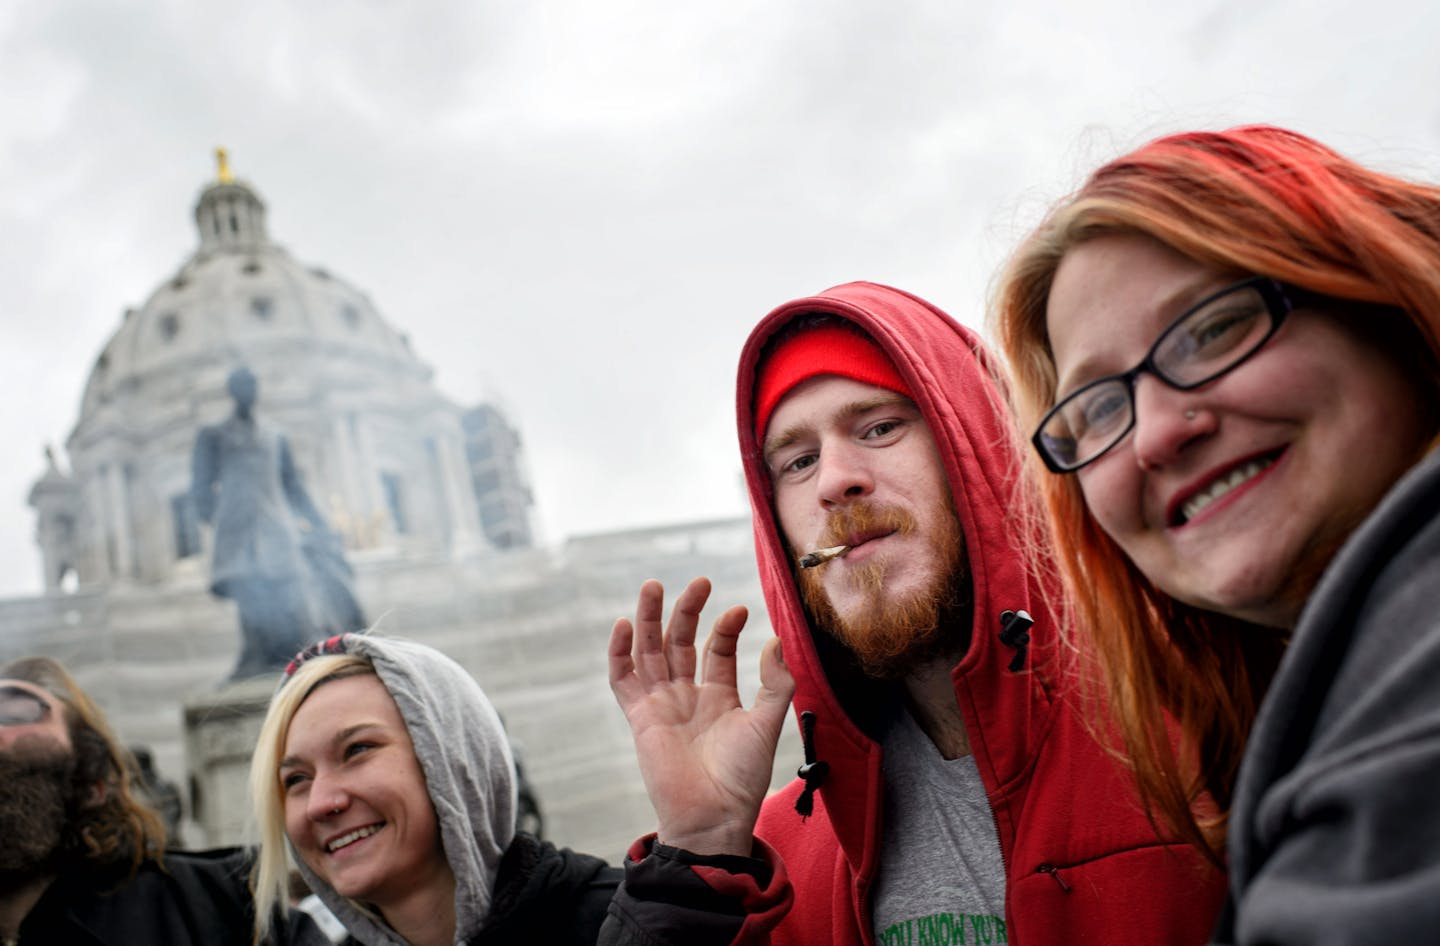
point(579, 209)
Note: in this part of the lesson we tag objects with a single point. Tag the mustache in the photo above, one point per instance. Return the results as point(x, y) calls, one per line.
point(864, 518)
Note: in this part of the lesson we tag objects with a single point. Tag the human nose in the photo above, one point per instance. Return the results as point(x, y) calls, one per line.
point(844, 475)
point(1166, 422)
point(327, 797)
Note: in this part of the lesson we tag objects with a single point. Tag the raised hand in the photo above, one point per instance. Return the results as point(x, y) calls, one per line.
point(705, 759)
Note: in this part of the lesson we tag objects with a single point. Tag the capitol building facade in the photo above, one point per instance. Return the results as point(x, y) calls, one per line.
point(431, 499)
point(384, 453)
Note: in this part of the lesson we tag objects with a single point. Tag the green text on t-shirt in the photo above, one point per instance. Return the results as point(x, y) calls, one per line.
point(947, 929)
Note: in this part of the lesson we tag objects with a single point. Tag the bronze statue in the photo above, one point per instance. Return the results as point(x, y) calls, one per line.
point(275, 556)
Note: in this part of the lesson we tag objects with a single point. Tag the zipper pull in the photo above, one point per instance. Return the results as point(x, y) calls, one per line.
point(1054, 872)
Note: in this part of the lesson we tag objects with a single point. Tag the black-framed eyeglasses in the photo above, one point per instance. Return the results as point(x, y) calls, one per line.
point(1210, 338)
point(21, 707)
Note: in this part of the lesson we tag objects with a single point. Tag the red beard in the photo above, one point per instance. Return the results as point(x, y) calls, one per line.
point(891, 637)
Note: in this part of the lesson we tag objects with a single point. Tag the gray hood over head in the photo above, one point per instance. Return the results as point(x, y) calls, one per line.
point(465, 756)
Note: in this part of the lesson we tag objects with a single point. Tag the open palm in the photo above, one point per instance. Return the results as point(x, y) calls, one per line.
point(705, 759)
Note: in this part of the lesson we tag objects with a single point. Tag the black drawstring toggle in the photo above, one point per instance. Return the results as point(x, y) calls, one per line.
point(1015, 632)
point(813, 771)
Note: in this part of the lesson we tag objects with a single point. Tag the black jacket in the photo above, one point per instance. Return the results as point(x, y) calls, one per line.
point(548, 897)
point(545, 896)
point(193, 898)
point(1335, 827)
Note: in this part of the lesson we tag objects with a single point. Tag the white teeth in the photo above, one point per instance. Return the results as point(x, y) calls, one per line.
point(1193, 506)
point(352, 837)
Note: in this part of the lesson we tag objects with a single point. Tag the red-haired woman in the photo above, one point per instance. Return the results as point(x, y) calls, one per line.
point(1225, 348)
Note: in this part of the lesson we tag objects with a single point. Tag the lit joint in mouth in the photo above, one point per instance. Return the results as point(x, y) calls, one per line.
point(821, 556)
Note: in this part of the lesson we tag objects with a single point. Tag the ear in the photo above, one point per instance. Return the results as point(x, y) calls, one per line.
point(98, 795)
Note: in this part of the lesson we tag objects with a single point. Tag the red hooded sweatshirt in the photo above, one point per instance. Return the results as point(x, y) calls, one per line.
point(1083, 863)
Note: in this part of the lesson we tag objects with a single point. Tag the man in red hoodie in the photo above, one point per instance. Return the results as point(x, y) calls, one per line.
point(951, 791)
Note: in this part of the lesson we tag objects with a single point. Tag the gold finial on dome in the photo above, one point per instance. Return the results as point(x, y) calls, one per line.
point(222, 166)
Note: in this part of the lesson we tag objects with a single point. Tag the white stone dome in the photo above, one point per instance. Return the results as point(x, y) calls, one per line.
point(238, 296)
point(381, 449)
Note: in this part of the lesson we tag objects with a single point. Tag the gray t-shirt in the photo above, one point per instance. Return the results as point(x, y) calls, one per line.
point(941, 878)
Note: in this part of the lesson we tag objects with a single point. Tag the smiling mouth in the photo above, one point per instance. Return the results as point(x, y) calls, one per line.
point(1237, 477)
point(350, 837)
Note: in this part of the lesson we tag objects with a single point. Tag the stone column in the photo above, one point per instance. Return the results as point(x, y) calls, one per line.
point(347, 462)
point(118, 504)
point(98, 526)
point(368, 475)
point(221, 731)
point(459, 495)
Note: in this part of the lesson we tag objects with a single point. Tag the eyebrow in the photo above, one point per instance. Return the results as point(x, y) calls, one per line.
point(794, 432)
point(291, 761)
point(1179, 300)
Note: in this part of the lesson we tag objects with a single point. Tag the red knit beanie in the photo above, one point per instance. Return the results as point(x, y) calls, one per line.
point(824, 349)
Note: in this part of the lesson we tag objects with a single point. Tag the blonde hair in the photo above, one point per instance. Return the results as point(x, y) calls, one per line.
point(1261, 200)
point(273, 860)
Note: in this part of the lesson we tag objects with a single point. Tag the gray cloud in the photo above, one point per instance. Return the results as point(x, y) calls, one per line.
point(582, 208)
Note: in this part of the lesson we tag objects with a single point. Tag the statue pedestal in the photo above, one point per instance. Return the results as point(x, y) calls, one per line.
point(221, 730)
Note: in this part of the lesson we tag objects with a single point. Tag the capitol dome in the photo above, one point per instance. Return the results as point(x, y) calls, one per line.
point(384, 454)
point(240, 297)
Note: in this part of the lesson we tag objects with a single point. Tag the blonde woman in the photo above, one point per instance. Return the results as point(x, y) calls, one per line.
point(384, 772)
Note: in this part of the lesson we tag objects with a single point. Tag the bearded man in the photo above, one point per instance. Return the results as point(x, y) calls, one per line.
point(82, 859)
point(951, 792)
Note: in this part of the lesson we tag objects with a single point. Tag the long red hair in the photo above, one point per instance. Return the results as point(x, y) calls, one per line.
point(1256, 199)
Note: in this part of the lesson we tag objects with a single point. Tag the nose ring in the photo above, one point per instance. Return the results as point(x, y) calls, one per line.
point(1189, 415)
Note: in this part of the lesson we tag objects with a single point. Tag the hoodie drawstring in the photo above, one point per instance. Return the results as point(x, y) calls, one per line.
point(1015, 632)
point(813, 771)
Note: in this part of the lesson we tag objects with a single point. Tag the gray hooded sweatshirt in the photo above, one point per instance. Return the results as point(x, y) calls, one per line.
point(465, 755)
